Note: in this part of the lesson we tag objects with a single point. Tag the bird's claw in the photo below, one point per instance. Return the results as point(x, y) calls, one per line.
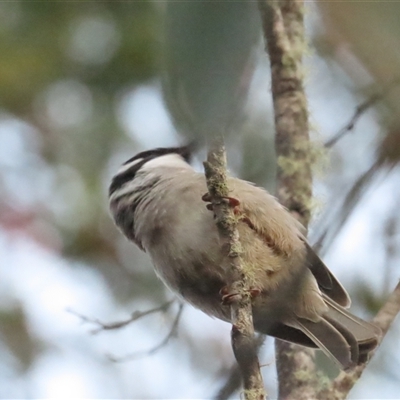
point(231, 201)
point(206, 197)
point(254, 292)
point(229, 297)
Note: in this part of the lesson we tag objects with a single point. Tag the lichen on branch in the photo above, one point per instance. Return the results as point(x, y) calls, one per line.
point(244, 344)
point(283, 28)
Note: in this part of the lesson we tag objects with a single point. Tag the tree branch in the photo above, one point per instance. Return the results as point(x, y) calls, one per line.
point(243, 342)
point(102, 326)
point(338, 221)
point(285, 47)
point(284, 34)
point(139, 354)
point(360, 110)
point(234, 379)
point(342, 385)
point(231, 385)
point(283, 28)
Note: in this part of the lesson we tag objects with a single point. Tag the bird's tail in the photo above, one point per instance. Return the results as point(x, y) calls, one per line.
point(343, 337)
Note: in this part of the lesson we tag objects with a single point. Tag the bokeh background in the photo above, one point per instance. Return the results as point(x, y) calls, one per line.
point(86, 85)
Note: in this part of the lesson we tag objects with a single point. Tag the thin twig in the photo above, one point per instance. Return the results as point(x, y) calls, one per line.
point(145, 353)
point(243, 342)
point(359, 111)
point(102, 326)
point(388, 311)
point(337, 222)
point(342, 385)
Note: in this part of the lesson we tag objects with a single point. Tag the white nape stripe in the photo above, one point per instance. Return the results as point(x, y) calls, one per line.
point(125, 167)
point(148, 169)
point(168, 160)
point(128, 188)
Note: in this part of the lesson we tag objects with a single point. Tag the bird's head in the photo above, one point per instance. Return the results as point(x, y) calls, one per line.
point(148, 160)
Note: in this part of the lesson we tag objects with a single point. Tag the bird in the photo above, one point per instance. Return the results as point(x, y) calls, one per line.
point(156, 199)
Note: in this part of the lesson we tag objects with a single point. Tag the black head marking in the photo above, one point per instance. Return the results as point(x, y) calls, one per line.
point(120, 179)
point(185, 152)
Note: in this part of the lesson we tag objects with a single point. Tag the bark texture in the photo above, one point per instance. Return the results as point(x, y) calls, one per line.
point(243, 341)
point(283, 26)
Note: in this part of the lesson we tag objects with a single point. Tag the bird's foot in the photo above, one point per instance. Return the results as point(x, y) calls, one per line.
point(229, 297)
point(255, 292)
point(231, 201)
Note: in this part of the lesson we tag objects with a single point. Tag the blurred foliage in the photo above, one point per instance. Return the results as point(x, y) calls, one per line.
point(63, 64)
point(210, 58)
point(367, 30)
point(363, 38)
point(66, 71)
point(106, 45)
point(15, 333)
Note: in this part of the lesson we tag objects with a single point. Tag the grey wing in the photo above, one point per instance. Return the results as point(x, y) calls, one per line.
point(327, 282)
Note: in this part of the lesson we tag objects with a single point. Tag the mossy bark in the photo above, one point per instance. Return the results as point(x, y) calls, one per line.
point(244, 344)
point(283, 25)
